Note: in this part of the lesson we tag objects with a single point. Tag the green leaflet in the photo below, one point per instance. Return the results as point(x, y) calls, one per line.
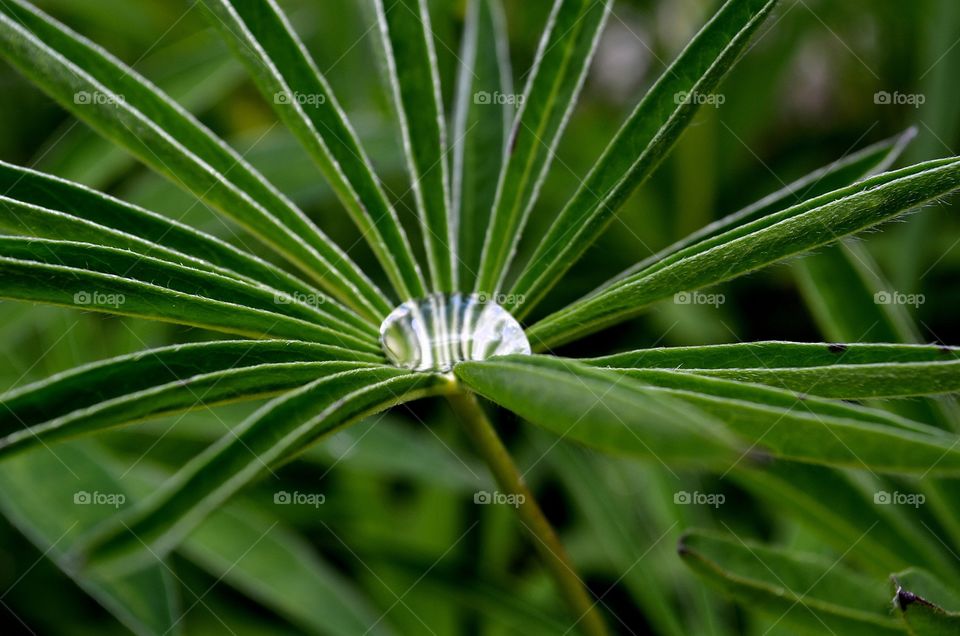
point(131, 266)
point(289, 79)
point(412, 65)
point(765, 241)
point(246, 381)
point(809, 593)
point(281, 429)
point(839, 174)
point(605, 409)
point(563, 58)
point(640, 146)
point(480, 129)
point(856, 371)
point(599, 408)
point(36, 204)
point(126, 108)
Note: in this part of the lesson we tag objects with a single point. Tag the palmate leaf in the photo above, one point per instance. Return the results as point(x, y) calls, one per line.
point(123, 106)
point(281, 429)
point(481, 129)
point(639, 146)
point(811, 594)
point(161, 381)
point(261, 37)
point(796, 230)
point(856, 371)
point(566, 49)
point(415, 84)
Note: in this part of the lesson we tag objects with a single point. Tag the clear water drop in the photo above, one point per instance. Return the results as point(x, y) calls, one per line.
point(436, 332)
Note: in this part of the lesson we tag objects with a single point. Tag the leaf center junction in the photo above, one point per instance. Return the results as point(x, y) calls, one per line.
point(436, 332)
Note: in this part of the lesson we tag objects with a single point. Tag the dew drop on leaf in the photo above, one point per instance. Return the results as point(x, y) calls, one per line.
point(436, 332)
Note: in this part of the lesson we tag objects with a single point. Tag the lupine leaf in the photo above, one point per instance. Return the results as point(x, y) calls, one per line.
point(640, 145)
point(554, 83)
point(281, 429)
point(415, 83)
point(289, 79)
point(819, 222)
point(480, 130)
point(123, 106)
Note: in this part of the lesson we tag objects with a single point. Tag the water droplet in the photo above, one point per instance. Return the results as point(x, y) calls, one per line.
point(436, 332)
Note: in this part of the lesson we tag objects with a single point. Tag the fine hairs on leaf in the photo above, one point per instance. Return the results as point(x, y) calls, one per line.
point(248, 423)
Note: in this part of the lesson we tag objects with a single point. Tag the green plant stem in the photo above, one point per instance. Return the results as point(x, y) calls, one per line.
point(546, 541)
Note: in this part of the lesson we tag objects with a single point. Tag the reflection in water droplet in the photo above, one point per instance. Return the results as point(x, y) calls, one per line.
point(436, 332)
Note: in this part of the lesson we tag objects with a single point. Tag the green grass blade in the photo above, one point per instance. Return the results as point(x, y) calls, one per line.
point(249, 305)
point(45, 496)
point(481, 129)
point(289, 79)
point(640, 145)
point(599, 408)
point(36, 204)
point(756, 245)
point(125, 107)
point(839, 174)
point(554, 83)
point(278, 431)
point(100, 396)
point(809, 593)
point(415, 84)
point(848, 372)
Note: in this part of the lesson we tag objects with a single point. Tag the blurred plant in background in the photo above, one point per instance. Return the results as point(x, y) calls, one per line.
point(380, 526)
